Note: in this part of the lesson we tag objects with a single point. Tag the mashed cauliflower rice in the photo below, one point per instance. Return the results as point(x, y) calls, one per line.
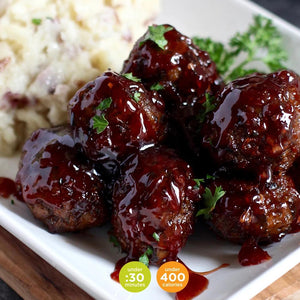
point(50, 48)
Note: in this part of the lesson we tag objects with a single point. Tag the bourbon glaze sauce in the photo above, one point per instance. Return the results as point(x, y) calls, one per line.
point(251, 254)
point(8, 188)
point(196, 285)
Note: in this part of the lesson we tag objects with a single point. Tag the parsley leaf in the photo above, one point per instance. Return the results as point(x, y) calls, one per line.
point(36, 21)
point(12, 201)
point(136, 97)
point(105, 103)
point(208, 176)
point(210, 200)
point(115, 241)
point(208, 106)
point(144, 258)
point(261, 42)
point(156, 87)
point(156, 34)
point(198, 182)
point(131, 77)
point(217, 52)
point(99, 123)
point(155, 236)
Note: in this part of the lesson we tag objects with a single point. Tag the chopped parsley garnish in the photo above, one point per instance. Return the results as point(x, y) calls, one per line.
point(155, 236)
point(198, 182)
point(156, 34)
point(12, 201)
point(210, 200)
point(36, 21)
point(145, 257)
point(131, 77)
point(136, 97)
point(114, 240)
point(261, 42)
point(156, 87)
point(208, 106)
point(99, 123)
point(105, 103)
point(202, 180)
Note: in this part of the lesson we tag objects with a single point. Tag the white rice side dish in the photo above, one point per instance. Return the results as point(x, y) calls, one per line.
point(50, 48)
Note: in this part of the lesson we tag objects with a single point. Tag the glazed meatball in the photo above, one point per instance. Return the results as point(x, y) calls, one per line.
point(154, 204)
point(181, 72)
point(112, 113)
point(256, 125)
point(294, 172)
point(263, 211)
point(60, 186)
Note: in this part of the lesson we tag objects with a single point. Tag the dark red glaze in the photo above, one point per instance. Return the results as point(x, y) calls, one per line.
point(8, 188)
point(60, 186)
point(257, 123)
point(154, 195)
point(186, 73)
point(197, 282)
point(251, 254)
point(196, 285)
point(132, 123)
point(249, 209)
point(119, 264)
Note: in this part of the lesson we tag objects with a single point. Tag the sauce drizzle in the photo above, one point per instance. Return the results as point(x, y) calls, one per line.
point(8, 188)
point(251, 254)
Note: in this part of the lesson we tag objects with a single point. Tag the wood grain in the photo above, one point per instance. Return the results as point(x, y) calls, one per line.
point(30, 276)
point(34, 279)
point(285, 288)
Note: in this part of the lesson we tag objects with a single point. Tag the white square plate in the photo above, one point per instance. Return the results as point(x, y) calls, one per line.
point(88, 258)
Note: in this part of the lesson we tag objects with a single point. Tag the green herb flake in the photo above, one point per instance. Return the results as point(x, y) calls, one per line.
point(136, 97)
point(156, 87)
point(144, 258)
point(36, 21)
point(12, 201)
point(155, 236)
point(115, 241)
point(131, 77)
point(198, 182)
point(208, 176)
point(261, 42)
point(99, 123)
point(156, 34)
point(208, 106)
point(210, 200)
point(105, 103)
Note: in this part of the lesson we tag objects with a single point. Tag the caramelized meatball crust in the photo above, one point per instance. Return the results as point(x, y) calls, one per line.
point(132, 116)
point(154, 204)
point(256, 125)
point(60, 186)
point(263, 211)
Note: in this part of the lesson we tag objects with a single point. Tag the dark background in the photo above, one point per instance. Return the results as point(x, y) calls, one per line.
point(287, 9)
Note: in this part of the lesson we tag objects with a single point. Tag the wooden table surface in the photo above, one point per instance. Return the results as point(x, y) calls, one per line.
point(33, 278)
